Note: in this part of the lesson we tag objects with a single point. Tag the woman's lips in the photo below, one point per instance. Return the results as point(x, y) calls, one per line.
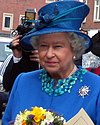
point(51, 63)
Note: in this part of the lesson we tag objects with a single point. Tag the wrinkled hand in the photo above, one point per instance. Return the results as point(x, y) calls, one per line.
point(34, 56)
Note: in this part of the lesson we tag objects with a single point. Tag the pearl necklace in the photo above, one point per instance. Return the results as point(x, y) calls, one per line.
point(63, 85)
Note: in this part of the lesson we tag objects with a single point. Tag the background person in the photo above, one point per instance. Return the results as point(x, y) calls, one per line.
point(16, 63)
point(21, 61)
point(60, 84)
point(3, 94)
point(91, 60)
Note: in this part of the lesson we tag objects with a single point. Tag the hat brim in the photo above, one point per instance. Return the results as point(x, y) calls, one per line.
point(26, 40)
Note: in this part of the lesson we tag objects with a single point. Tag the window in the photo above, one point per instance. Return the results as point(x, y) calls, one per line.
point(83, 1)
point(7, 21)
point(97, 10)
point(50, 1)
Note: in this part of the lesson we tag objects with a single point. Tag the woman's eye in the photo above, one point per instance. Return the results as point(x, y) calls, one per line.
point(58, 46)
point(43, 46)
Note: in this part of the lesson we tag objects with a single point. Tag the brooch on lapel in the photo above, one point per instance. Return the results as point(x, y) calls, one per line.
point(83, 91)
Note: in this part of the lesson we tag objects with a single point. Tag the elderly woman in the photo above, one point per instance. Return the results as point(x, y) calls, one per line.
point(60, 86)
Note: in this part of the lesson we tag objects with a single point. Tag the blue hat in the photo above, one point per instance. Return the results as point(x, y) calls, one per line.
point(60, 16)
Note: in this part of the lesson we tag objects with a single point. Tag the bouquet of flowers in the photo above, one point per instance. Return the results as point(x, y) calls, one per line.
point(38, 116)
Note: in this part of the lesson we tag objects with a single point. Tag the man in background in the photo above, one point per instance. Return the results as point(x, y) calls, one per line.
point(16, 63)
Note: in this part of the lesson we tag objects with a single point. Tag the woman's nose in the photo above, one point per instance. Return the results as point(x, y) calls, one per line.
point(50, 52)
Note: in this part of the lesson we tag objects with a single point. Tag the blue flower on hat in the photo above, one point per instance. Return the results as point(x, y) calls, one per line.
point(44, 20)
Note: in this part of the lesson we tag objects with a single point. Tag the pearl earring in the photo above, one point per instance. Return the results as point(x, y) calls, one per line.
point(74, 57)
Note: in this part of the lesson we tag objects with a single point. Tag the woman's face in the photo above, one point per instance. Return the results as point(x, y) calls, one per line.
point(55, 52)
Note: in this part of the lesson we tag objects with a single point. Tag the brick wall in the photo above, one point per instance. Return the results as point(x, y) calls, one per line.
point(17, 8)
point(90, 24)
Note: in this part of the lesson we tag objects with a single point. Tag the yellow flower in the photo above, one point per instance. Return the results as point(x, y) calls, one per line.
point(38, 113)
point(37, 116)
point(23, 122)
point(37, 119)
point(25, 114)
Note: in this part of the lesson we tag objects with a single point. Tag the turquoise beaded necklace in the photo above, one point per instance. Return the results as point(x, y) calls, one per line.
point(63, 85)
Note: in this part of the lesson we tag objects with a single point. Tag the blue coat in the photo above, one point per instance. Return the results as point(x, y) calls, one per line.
point(27, 92)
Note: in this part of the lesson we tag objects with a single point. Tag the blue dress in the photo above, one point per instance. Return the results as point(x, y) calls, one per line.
point(28, 92)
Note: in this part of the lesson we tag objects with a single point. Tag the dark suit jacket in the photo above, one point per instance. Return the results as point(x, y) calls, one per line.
point(14, 69)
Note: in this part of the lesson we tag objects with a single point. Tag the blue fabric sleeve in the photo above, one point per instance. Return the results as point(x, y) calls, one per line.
point(98, 111)
point(12, 104)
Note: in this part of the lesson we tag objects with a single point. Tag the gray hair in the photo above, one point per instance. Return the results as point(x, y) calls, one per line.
point(77, 43)
point(34, 42)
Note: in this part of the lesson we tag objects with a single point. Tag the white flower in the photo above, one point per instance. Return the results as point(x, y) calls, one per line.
point(49, 117)
point(43, 123)
point(18, 120)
